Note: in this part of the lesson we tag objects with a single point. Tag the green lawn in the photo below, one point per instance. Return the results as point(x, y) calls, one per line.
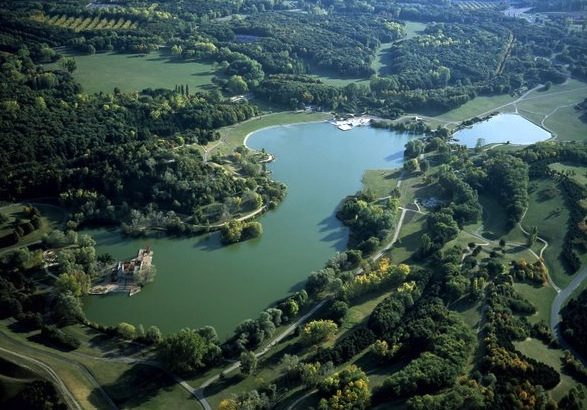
point(537, 350)
point(409, 238)
point(131, 72)
point(578, 174)
point(414, 28)
point(361, 310)
point(558, 103)
point(469, 312)
point(234, 135)
point(381, 58)
point(380, 182)
point(550, 216)
point(541, 297)
point(494, 218)
point(475, 107)
point(52, 217)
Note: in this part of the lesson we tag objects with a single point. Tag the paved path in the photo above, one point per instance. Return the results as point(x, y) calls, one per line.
point(539, 257)
point(65, 393)
point(199, 392)
point(556, 307)
point(68, 396)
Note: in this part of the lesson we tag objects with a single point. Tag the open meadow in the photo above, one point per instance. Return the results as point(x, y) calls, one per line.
point(135, 72)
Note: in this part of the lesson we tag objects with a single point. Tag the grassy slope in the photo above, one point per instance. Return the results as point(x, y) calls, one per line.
point(380, 181)
point(537, 350)
point(103, 72)
point(234, 135)
point(551, 226)
point(565, 121)
point(52, 217)
point(127, 385)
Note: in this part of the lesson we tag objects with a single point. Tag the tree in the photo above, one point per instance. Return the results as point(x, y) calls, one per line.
point(183, 351)
point(318, 331)
point(533, 236)
point(237, 85)
point(68, 64)
point(69, 283)
point(411, 165)
point(68, 308)
point(126, 330)
point(248, 363)
point(153, 335)
point(346, 390)
point(252, 230)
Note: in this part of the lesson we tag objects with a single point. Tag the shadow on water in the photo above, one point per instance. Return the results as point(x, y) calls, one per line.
point(210, 242)
point(334, 231)
point(395, 156)
point(298, 286)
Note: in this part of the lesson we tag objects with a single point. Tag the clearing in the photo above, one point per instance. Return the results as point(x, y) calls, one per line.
point(105, 71)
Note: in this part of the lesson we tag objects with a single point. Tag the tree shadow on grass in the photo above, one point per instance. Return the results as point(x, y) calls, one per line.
point(222, 384)
point(38, 338)
point(135, 386)
point(112, 347)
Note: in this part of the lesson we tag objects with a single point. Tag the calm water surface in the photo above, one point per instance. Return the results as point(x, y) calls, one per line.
point(199, 282)
point(503, 128)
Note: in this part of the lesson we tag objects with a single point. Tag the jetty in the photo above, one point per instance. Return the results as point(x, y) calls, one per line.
point(351, 122)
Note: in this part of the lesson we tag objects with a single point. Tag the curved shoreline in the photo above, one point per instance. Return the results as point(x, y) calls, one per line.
point(246, 138)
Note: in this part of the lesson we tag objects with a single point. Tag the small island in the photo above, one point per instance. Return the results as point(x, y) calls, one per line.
point(127, 276)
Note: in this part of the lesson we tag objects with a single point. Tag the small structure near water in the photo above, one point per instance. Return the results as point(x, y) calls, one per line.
point(127, 276)
point(351, 122)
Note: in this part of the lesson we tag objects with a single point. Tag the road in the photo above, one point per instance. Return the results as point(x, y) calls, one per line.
point(68, 397)
point(558, 303)
point(25, 352)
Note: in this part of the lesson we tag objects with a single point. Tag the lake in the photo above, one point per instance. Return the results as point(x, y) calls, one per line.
point(201, 283)
point(503, 128)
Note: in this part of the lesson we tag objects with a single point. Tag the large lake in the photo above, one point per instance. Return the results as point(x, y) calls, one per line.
point(201, 283)
point(501, 129)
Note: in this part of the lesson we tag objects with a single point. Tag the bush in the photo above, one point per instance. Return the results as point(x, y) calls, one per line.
point(58, 337)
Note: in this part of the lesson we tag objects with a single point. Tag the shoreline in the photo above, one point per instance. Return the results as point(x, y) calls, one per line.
point(246, 138)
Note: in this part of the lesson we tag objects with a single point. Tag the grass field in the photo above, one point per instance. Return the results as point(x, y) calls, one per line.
point(537, 350)
point(475, 107)
point(234, 135)
point(380, 182)
point(555, 108)
point(540, 297)
point(414, 28)
point(409, 237)
point(52, 217)
point(361, 310)
point(552, 109)
point(131, 72)
point(578, 174)
point(334, 79)
point(550, 216)
point(381, 58)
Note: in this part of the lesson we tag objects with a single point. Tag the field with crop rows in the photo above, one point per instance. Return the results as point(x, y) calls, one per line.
point(475, 5)
point(86, 23)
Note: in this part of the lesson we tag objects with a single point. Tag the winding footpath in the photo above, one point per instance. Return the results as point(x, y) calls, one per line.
point(198, 393)
point(562, 295)
point(25, 353)
point(72, 403)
